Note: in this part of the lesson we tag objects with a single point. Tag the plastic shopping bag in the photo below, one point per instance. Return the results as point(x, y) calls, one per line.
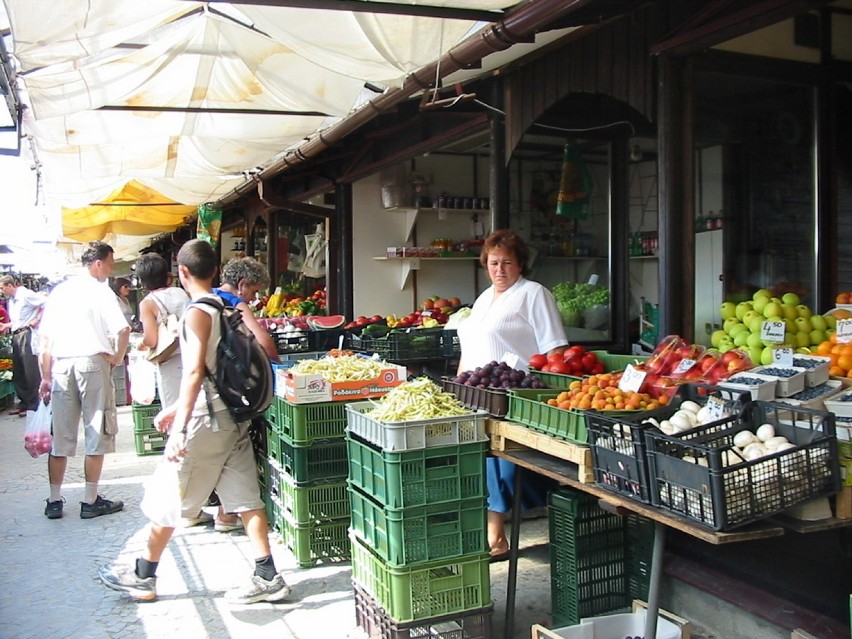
point(161, 501)
point(38, 437)
point(143, 381)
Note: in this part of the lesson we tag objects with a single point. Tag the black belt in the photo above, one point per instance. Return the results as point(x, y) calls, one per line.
point(22, 329)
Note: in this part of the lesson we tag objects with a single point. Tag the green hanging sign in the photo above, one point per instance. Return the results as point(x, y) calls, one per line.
point(575, 185)
point(209, 224)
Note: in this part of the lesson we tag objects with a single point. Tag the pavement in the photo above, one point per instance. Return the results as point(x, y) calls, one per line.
point(53, 590)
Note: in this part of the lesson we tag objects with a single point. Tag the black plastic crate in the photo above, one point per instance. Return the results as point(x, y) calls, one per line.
point(599, 561)
point(450, 344)
point(291, 342)
point(688, 474)
point(494, 401)
point(377, 624)
point(413, 344)
point(326, 339)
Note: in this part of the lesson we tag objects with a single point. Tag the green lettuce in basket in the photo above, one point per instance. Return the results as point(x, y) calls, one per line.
point(572, 299)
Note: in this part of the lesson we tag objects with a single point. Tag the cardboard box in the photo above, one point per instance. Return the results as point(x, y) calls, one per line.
point(843, 503)
point(309, 389)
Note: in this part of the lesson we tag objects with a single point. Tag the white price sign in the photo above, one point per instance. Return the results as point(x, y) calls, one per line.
point(631, 379)
point(772, 332)
point(683, 366)
point(844, 331)
point(716, 408)
point(783, 356)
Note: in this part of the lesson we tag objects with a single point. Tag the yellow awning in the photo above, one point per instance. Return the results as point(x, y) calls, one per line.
point(134, 209)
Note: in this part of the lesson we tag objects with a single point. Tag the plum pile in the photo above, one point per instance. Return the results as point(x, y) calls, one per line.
point(498, 375)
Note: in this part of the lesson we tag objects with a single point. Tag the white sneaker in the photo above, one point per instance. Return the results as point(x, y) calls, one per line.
point(203, 518)
point(221, 526)
point(259, 589)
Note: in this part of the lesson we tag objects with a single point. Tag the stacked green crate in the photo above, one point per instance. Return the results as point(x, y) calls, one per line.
point(149, 441)
point(419, 543)
point(306, 467)
point(599, 561)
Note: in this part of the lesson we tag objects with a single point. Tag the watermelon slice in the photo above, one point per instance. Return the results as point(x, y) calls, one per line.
point(320, 322)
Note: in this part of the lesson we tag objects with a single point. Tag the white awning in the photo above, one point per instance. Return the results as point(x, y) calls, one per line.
point(189, 97)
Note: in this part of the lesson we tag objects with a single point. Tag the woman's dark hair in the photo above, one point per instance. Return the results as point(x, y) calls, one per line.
point(152, 271)
point(199, 257)
point(118, 282)
point(508, 241)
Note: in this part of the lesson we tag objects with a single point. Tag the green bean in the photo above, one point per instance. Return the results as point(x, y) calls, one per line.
point(418, 399)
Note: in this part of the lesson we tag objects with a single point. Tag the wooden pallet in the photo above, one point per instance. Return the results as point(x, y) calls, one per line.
point(511, 436)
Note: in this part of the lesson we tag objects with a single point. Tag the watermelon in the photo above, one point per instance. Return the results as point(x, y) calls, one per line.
point(320, 322)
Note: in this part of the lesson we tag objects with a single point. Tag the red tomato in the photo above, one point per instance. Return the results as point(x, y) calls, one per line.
point(576, 349)
point(559, 367)
point(598, 368)
point(553, 358)
point(538, 361)
point(589, 361)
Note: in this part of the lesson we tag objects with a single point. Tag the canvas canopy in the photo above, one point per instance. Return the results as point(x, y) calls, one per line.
point(187, 98)
point(134, 209)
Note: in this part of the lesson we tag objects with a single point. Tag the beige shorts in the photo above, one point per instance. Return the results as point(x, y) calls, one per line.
point(83, 386)
point(220, 459)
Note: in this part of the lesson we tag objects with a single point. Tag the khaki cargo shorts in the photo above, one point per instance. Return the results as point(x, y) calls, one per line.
point(83, 387)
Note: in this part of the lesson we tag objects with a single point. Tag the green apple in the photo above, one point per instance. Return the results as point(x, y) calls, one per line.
point(790, 325)
point(743, 308)
point(803, 339)
point(773, 309)
point(803, 325)
point(726, 344)
point(766, 356)
point(754, 353)
point(728, 310)
point(761, 293)
point(818, 336)
point(736, 329)
point(830, 321)
point(790, 298)
point(716, 337)
point(751, 315)
point(754, 340)
point(789, 311)
point(741, 338)
point(729, 323)
point(803, 310)
point(756, 324)
point(777, 300)
point(760, 303)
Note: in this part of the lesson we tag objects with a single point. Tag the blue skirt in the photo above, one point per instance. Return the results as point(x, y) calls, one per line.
point(500, 475)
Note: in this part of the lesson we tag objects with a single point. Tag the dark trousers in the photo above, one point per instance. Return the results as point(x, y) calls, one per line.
point(25, 373)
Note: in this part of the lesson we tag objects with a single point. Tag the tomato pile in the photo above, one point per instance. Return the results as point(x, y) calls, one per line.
point(575, 360)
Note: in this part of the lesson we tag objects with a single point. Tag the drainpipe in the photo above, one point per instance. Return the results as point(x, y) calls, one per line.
point(498, 36)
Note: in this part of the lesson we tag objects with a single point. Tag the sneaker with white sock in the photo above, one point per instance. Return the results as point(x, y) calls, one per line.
point(259, 589)
point(124, 578)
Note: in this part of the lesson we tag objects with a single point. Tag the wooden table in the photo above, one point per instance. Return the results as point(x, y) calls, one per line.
point(566, 473)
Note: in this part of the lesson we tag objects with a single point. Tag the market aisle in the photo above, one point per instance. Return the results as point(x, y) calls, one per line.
point(51, 588)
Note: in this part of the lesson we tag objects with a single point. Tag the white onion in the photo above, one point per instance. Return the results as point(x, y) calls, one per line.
point(743, 438)
point(690, 406)
point(765, 432)
point(774, 442)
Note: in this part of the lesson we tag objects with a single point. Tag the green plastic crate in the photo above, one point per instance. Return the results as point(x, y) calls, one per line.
point(417, 477)
point(150, 441)
point(274, 512)
point(555, 380)
point(614, 362)
point(599, 561)
point(325, 541)
point(303, 424)
point(320, 501)
point(321, 460)
point(412, 593)
point(143, 415)
point(404, 536)
point(530, 407)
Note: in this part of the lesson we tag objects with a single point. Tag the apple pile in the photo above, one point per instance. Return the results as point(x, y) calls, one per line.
point(742, 324)
point(576, 361)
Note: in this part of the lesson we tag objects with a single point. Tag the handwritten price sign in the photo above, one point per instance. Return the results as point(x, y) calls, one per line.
point(631, 379)
point(772, 332)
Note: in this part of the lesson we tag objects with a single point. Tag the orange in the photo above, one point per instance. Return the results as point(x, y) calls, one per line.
point(833, 338)
point(836, 371)
point(842, 298)
point(824, 348)
point(845, 362)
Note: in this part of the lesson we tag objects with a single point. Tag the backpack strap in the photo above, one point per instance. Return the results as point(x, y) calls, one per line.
point(219, 305)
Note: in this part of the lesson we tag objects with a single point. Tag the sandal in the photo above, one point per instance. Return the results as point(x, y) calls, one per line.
point(500, 556)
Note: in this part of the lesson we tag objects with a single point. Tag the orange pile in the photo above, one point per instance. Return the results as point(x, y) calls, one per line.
point(601, 392)
point(840, 355)
point(844, 298)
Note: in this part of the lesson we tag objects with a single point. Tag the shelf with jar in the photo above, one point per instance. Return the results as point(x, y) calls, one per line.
point(413, 213)
point(710, 222)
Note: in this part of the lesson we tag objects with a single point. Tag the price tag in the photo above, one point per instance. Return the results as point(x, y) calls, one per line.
point(773, 332)
point(683, 366)
point(844, 331)
point(631, 379)
point(716, 408)
point(783, 356)
point(511, 359)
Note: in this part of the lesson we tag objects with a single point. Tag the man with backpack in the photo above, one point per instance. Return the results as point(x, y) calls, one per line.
point(211, 448)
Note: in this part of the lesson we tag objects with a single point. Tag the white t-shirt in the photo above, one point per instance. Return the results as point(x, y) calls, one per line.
point(24, 307)
point(201, 407)
point(523, 320)
point(82, 317)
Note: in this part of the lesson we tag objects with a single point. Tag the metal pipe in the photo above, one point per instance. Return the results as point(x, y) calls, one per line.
point(498, 36)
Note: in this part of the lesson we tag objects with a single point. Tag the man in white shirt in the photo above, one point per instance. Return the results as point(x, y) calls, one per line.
point(25, 307)
point(84, 335)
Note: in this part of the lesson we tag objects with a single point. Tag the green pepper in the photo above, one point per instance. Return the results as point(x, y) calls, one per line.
point(308, 307)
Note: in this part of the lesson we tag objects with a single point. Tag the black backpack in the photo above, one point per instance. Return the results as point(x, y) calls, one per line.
point(243, 370)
